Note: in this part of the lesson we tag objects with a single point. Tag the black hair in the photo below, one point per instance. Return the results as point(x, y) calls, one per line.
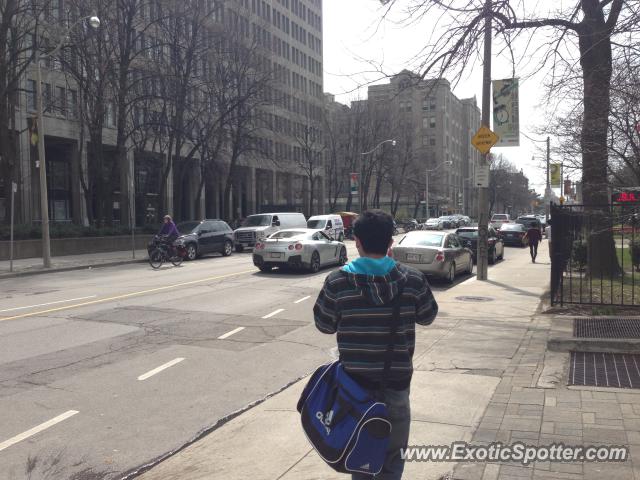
point(374, 228)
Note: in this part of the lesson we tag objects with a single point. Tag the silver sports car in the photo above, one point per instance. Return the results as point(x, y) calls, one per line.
point(299, 248)
point(440, 254)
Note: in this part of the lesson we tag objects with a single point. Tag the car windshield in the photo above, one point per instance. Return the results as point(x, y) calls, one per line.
point(513, 227)
point(289, 234)
point(422, 239)
point(257, 221)
point(187, 227)
point(500, 217)
point(316, 224)
point(468, 233)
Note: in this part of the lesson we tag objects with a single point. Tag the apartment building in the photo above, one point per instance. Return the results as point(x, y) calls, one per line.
point(268, 173)
point(433, 131)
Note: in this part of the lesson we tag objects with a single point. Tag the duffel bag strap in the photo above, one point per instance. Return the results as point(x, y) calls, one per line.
point(395, 320)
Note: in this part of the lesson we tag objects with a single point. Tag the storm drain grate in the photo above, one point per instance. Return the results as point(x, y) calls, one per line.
point(606, 328)
point(604, 370)
point(474, 299)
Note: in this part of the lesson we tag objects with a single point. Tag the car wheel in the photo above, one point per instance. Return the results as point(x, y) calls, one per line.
point(502, 253)
point(192, 251)
point(228, 248)
point(239, 248)
point(470, 269)
point(492, 258)
point(451, 276)
point(343, 257)
point(315, 263)
point(341, 237)
point(265, 268)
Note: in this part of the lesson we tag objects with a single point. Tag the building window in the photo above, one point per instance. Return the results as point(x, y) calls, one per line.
point(72, 103)
point(432, 141)
point(432, 122)
point(31, 95)
point(61, 101)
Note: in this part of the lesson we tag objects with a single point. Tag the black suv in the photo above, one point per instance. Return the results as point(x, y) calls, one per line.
point(204, 236)
point(530, 221)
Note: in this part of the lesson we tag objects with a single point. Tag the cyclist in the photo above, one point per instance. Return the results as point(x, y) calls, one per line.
point(169, 232)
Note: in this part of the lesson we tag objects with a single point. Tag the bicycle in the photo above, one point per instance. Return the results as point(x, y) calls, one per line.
point(161, 254)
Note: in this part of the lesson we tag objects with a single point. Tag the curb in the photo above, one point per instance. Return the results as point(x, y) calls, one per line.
point(27, 273)
point(609, 345)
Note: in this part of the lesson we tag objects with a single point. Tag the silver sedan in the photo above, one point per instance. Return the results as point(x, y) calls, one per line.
point(299, 248)
point(439, 254)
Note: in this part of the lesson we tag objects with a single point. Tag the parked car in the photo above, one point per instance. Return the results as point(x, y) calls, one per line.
point(498, 219)
point(299, 249)
point(433, 224)
point(448, 222)
point(199, 237)
point(530, 221)
point(513, 234)
point(330, 224)
point(469, 238)
point(258, 227)
point(439, 254)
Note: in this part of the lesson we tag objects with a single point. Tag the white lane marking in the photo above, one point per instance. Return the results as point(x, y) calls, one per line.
point(37, 429)
point(232, 332)
point(45, 304)
point(151, 373)
point(273, 314)
point(303, 299)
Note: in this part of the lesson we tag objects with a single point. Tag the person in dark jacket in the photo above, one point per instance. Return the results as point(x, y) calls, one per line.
point(170, 232)
point(535, 237)
point(356, 302)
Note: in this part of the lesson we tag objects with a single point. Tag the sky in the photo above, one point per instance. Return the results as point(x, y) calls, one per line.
point(354, 33)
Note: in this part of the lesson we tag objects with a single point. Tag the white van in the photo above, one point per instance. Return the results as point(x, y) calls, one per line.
point(330, 224)
point(259, 226)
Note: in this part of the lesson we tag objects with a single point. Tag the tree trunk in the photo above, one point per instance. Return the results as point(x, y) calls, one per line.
point(596, 61)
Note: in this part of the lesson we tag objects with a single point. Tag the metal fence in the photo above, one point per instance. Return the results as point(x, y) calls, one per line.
point(595, 254)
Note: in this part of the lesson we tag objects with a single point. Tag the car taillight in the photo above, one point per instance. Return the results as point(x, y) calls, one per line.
point(291, 247)
point(259, 246)
point(298, 246)
point(440, 257)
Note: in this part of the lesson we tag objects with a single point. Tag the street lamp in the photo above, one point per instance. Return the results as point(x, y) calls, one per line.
point(393, 144)
point(447, 163)
point(94, 22)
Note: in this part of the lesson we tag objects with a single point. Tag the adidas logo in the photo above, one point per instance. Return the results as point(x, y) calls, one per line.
point(366, 466)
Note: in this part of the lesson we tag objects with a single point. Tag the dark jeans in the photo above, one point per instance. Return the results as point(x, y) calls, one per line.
point(533, 249)
point(400, 416)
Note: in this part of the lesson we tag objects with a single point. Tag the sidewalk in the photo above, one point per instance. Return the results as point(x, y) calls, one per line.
point(31, 266)
point(477, 374)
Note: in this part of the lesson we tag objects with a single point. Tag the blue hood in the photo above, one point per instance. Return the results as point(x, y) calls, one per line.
point(370, 266)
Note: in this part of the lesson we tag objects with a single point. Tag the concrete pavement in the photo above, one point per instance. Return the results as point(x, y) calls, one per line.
point(460, 362)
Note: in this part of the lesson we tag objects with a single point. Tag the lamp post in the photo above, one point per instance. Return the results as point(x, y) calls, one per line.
point(448, 163)
point(363, 154)
point(44, 196)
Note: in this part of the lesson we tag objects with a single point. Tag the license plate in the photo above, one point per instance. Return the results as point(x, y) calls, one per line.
point(276, 255)
point(413, 257)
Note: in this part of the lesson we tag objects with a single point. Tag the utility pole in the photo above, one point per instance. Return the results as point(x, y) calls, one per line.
point(483, 193)
point(44, 198)
point(547, 192)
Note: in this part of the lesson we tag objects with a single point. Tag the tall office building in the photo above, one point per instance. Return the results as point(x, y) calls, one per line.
point(270, 173)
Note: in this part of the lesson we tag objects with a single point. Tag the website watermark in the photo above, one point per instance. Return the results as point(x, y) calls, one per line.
point(517, 452)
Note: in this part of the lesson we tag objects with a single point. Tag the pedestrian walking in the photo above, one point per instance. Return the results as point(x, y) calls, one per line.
point(357, 302)
point(535, 237)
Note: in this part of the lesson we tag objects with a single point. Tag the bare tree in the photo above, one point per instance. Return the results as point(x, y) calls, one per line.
point(583, 31)
point(308, 155)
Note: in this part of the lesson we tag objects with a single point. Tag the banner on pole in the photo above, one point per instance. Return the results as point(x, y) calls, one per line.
point(354, 182)
point(555, 175)
point(506, 112)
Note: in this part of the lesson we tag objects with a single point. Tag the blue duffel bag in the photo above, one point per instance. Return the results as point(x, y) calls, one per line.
point(346, 424)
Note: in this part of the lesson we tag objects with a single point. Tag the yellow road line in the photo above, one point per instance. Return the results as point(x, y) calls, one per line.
point(126, 295)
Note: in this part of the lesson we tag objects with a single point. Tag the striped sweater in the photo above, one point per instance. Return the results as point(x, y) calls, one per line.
point(359, 308)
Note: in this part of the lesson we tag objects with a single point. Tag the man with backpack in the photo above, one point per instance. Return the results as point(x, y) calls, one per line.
point(358, 303)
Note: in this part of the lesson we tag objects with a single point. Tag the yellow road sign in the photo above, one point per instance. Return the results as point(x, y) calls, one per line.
point(484, 140)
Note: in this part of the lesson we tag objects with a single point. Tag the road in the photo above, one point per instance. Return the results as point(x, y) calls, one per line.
point(106, 369)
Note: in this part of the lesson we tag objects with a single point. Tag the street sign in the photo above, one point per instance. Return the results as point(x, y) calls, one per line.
point(482, 176)
point(354, 182)
point(484, 139)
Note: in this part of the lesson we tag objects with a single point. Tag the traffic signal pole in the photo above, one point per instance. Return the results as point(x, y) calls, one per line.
point(483, 192)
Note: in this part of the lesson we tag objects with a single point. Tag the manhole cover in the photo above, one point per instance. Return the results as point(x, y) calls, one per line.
point(604, 370)
point(474, 299)
point(606, 328)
